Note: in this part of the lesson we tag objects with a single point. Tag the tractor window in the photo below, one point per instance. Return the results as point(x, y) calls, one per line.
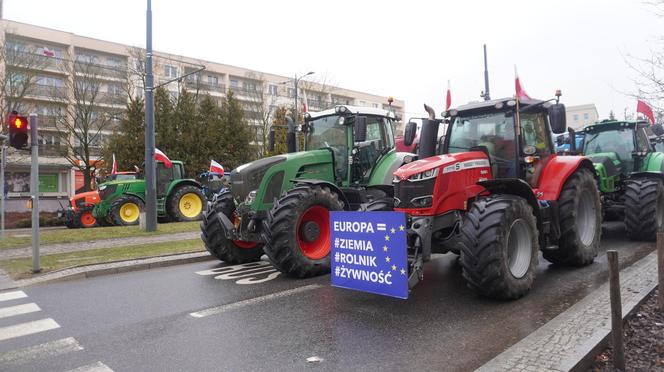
point(164, 178)
point(642, 141)
point(178, 172)
point(534, 133)
point(327, 133)
point(616, 143)
point(495, 132)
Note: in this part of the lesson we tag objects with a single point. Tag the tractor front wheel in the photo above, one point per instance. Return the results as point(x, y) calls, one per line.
point(186, 204)
point(86, 219)
point(580, 211)
point(216, 242)
point(126, 210)
point(499, 248)
point(298, 242)
point(644, 209)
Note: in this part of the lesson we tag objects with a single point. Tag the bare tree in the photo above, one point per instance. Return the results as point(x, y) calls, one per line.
point(94, 105)
point(263, 106)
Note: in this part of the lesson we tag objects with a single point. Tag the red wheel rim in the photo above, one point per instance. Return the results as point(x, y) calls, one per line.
point(241, 243)
point(320, 247)
point(87, 219)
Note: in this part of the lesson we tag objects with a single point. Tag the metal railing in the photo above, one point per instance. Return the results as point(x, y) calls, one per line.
point(111, 98)
point(119, 72)
point(50, 91)
point(245, 92)
point(32, 60)
point(201, 85)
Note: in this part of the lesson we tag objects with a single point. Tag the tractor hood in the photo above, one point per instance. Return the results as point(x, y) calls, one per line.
point(247, 177)
point(449, 163)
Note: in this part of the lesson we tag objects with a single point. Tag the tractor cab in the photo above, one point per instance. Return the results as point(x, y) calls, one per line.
point(165, 176)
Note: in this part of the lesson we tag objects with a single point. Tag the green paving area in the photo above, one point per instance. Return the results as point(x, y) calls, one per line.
point(17, 239)
point(21, 268)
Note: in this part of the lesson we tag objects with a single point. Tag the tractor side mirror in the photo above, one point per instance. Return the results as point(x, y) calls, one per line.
point(409, 133)
point(557, 118)
point(360, 128)
point(270, 140)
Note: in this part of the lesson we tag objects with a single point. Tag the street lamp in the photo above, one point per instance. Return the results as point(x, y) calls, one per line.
point(296, 80)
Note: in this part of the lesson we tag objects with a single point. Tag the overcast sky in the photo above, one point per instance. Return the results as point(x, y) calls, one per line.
point(408, 49)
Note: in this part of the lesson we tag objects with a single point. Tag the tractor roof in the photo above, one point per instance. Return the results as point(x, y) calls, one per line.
point(360, 110)
point(612, 125)
point(494, 104)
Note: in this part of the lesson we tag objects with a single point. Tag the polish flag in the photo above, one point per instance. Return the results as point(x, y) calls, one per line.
point(158, 155)
point(115, 166)
point(216, 168)
point(448, 98)
point(520, 92)
point(646, 110)
point(305, 103)
point(47, 52)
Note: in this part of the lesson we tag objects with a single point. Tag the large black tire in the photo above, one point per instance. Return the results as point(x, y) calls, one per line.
point(190, 209)
point(116, 213)
point(216, 243)
point(580, 213)
point(301, 211)
point(73, 219)
point(499, 247)
point(644, 208)
point(382, 204)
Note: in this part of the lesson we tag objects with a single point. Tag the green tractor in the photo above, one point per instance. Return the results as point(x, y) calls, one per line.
point(279, 205)
point(178, 198)
point(630, 173)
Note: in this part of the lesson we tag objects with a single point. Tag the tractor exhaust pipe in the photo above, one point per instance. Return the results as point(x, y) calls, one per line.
point(428, 134)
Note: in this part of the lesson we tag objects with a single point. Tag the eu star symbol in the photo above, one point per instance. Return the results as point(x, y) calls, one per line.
point(393, 230)
point(402, 271)
point(394, 267)
point(387, 238)
point(401, 227)
point(387, 259)
point(384, 248)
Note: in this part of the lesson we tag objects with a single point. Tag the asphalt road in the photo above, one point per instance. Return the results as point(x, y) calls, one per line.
point(207, 316)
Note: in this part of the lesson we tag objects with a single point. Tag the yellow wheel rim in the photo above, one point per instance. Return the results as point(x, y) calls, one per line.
point(129, 212)
point(191, 205)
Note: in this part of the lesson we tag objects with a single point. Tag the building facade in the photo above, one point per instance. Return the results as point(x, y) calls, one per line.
point(581, 115)
point(66, 67)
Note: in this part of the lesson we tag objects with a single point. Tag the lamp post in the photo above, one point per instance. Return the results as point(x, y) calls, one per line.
point(296, 80)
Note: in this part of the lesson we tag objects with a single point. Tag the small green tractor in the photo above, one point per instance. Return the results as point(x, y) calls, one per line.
point(279, 205)
point(630, 173)
point(178, 198)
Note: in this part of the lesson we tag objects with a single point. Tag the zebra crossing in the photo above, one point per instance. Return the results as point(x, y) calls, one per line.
point(14, 306)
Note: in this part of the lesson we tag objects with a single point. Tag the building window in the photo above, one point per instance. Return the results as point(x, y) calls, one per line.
point(375, 105)
point(576, 117)
point(250, 87)
point(585, 116)
point(170, 71)
point(234, 83)
point(272, 89)
point(291, 92)
point(213, 80)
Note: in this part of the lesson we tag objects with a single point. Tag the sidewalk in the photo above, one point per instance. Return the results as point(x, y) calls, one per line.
point(7, 254)
point(570, 340)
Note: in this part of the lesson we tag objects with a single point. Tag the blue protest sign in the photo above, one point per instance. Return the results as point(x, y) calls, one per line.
point(369, 252)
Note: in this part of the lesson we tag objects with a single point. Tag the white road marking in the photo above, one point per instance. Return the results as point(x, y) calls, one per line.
point(252, 301)
point(249, 273)
point(27, 328)
point(13, 295)
point(49, 349)
point(18, 310)
point(94, 367)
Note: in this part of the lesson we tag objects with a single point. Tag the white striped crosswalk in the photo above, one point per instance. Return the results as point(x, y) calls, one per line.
point(23, 329)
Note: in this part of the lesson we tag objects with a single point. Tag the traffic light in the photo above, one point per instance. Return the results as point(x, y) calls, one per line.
point(18, 131)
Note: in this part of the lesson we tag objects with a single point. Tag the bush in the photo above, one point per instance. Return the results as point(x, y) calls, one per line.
point(44, 221)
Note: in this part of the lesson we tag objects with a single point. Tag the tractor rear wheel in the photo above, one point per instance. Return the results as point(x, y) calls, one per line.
point(298, 237)
point(126, 210)
point(580, 212)
point(212, 233)
point(499, 247)
point(644, 209)
point(186, 203)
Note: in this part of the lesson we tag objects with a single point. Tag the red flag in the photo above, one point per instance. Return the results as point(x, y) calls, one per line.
point(645, 109)
point(47, 52)
point(216, 167)
point(115, 166)
point(448, 99)
point(520, 92)
point(158, 155)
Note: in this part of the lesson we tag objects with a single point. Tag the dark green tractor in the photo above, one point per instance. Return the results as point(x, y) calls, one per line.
point(279, 205)
point(630, 173)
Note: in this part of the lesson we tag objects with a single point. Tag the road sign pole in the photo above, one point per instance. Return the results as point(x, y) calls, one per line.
point(3, 159)
point(150, 166)
point(34, 192)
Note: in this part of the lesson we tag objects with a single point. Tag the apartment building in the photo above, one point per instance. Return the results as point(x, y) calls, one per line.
point(581, 115)
point(62, 61)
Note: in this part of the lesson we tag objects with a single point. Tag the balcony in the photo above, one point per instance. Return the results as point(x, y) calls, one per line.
point(52, 150)
point(47, 121)
point(111, 98)
point(240, 91)
point(116, 72)
point(48, 91)
point(200, 85)
point(32, 60)
point(319, 105)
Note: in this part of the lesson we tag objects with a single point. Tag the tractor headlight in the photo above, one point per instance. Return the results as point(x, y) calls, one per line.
point(102, 187)
point(422, 201)
point(251, 197)
point(428, 174)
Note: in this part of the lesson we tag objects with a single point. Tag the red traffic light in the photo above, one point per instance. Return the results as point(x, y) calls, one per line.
point(18, 131)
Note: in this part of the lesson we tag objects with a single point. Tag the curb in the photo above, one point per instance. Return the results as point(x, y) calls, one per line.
point(570, 341)
point(109, 268)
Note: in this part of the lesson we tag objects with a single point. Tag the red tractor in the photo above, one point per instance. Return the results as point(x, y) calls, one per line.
point(498, 195)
